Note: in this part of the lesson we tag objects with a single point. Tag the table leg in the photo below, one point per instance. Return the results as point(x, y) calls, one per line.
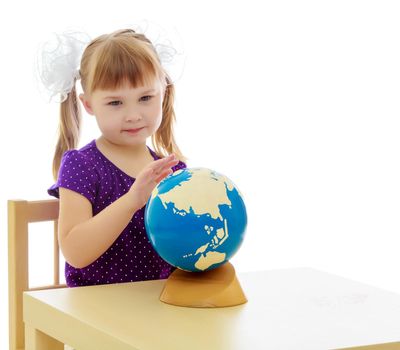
point(37, 340)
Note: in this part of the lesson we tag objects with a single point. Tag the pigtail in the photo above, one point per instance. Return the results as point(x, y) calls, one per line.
point(163, 140)
point(69, 128)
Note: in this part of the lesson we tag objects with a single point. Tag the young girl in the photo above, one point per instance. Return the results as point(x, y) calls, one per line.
point(103, 187)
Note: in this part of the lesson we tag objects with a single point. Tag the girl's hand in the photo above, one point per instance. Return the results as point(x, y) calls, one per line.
point(150, 177)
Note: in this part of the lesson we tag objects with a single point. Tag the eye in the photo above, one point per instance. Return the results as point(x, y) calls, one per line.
point(111, 103)
point(116, 103)
point(149, 97)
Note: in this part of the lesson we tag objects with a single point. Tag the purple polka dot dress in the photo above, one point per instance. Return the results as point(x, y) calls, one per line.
point(131, 257)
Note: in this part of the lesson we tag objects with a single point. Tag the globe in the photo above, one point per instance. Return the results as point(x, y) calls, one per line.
point(196, 219)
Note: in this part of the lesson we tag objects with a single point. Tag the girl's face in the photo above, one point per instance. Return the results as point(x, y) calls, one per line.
point(127, 116)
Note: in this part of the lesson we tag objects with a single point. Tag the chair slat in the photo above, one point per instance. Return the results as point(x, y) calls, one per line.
point(45, 210)
point(20, 214)
point(17, 269)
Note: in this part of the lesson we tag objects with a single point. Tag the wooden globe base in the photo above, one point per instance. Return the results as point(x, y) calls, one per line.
point(215, 288)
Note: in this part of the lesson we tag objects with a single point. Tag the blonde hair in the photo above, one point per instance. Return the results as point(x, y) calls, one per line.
point(107, 62)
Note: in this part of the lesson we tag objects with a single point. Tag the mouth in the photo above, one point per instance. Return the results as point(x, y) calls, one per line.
point(132, 131)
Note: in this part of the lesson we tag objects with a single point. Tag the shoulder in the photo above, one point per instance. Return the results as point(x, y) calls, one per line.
point(84, 156)
point(79, 164)
point(77, 173)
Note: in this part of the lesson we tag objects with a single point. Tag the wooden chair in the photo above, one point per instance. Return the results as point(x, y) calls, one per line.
point(20, 214)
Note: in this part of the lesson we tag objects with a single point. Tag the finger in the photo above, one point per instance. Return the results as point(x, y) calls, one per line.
point(161, 162)
point(162, 166)
point(171, 164)
point(163, 175)
point(171, 159)
point(168, 158)
point(156, 172)
point(160, 170)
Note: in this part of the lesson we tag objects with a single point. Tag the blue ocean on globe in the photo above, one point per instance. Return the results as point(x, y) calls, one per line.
point(196, 219)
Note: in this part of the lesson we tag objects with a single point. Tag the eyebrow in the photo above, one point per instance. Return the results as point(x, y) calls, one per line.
point(143, 92)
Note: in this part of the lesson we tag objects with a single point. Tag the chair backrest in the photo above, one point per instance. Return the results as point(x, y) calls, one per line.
point(20, 214)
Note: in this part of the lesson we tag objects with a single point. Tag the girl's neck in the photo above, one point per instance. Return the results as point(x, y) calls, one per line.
point(138, 151)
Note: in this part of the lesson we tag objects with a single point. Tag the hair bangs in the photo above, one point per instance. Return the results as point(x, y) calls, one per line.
point(119, 62)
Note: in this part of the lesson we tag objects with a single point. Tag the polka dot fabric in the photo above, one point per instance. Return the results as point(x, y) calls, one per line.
point(131, 257)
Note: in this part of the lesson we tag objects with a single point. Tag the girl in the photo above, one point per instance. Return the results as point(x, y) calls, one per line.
point(104, 186)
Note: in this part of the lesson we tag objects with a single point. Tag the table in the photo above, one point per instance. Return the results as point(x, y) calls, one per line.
point(300, 308)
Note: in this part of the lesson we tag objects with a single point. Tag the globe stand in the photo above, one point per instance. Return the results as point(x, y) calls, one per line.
point(215, 288)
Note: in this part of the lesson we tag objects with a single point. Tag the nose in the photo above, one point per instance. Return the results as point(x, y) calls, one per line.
point(132, 118)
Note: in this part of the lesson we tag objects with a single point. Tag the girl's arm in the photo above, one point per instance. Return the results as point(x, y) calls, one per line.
point(83, 237)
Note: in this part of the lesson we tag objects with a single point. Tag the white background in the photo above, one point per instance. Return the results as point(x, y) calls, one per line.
point(296, 101)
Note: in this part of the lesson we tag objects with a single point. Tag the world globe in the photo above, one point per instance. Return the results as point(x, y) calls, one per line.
point(196, 219)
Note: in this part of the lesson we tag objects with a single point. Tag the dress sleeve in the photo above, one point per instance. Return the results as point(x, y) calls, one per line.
point(77, 173)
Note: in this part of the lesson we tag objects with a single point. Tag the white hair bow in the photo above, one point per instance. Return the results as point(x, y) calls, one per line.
point(57, 63)
point(57, 60)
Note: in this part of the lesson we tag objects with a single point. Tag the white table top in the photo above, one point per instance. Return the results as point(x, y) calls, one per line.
point(287, 309)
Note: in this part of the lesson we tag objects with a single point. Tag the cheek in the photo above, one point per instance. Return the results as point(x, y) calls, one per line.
point(158, 120)
point(106, 124)
point(156, 115)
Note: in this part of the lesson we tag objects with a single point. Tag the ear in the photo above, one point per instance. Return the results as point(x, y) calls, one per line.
point(86, 103)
